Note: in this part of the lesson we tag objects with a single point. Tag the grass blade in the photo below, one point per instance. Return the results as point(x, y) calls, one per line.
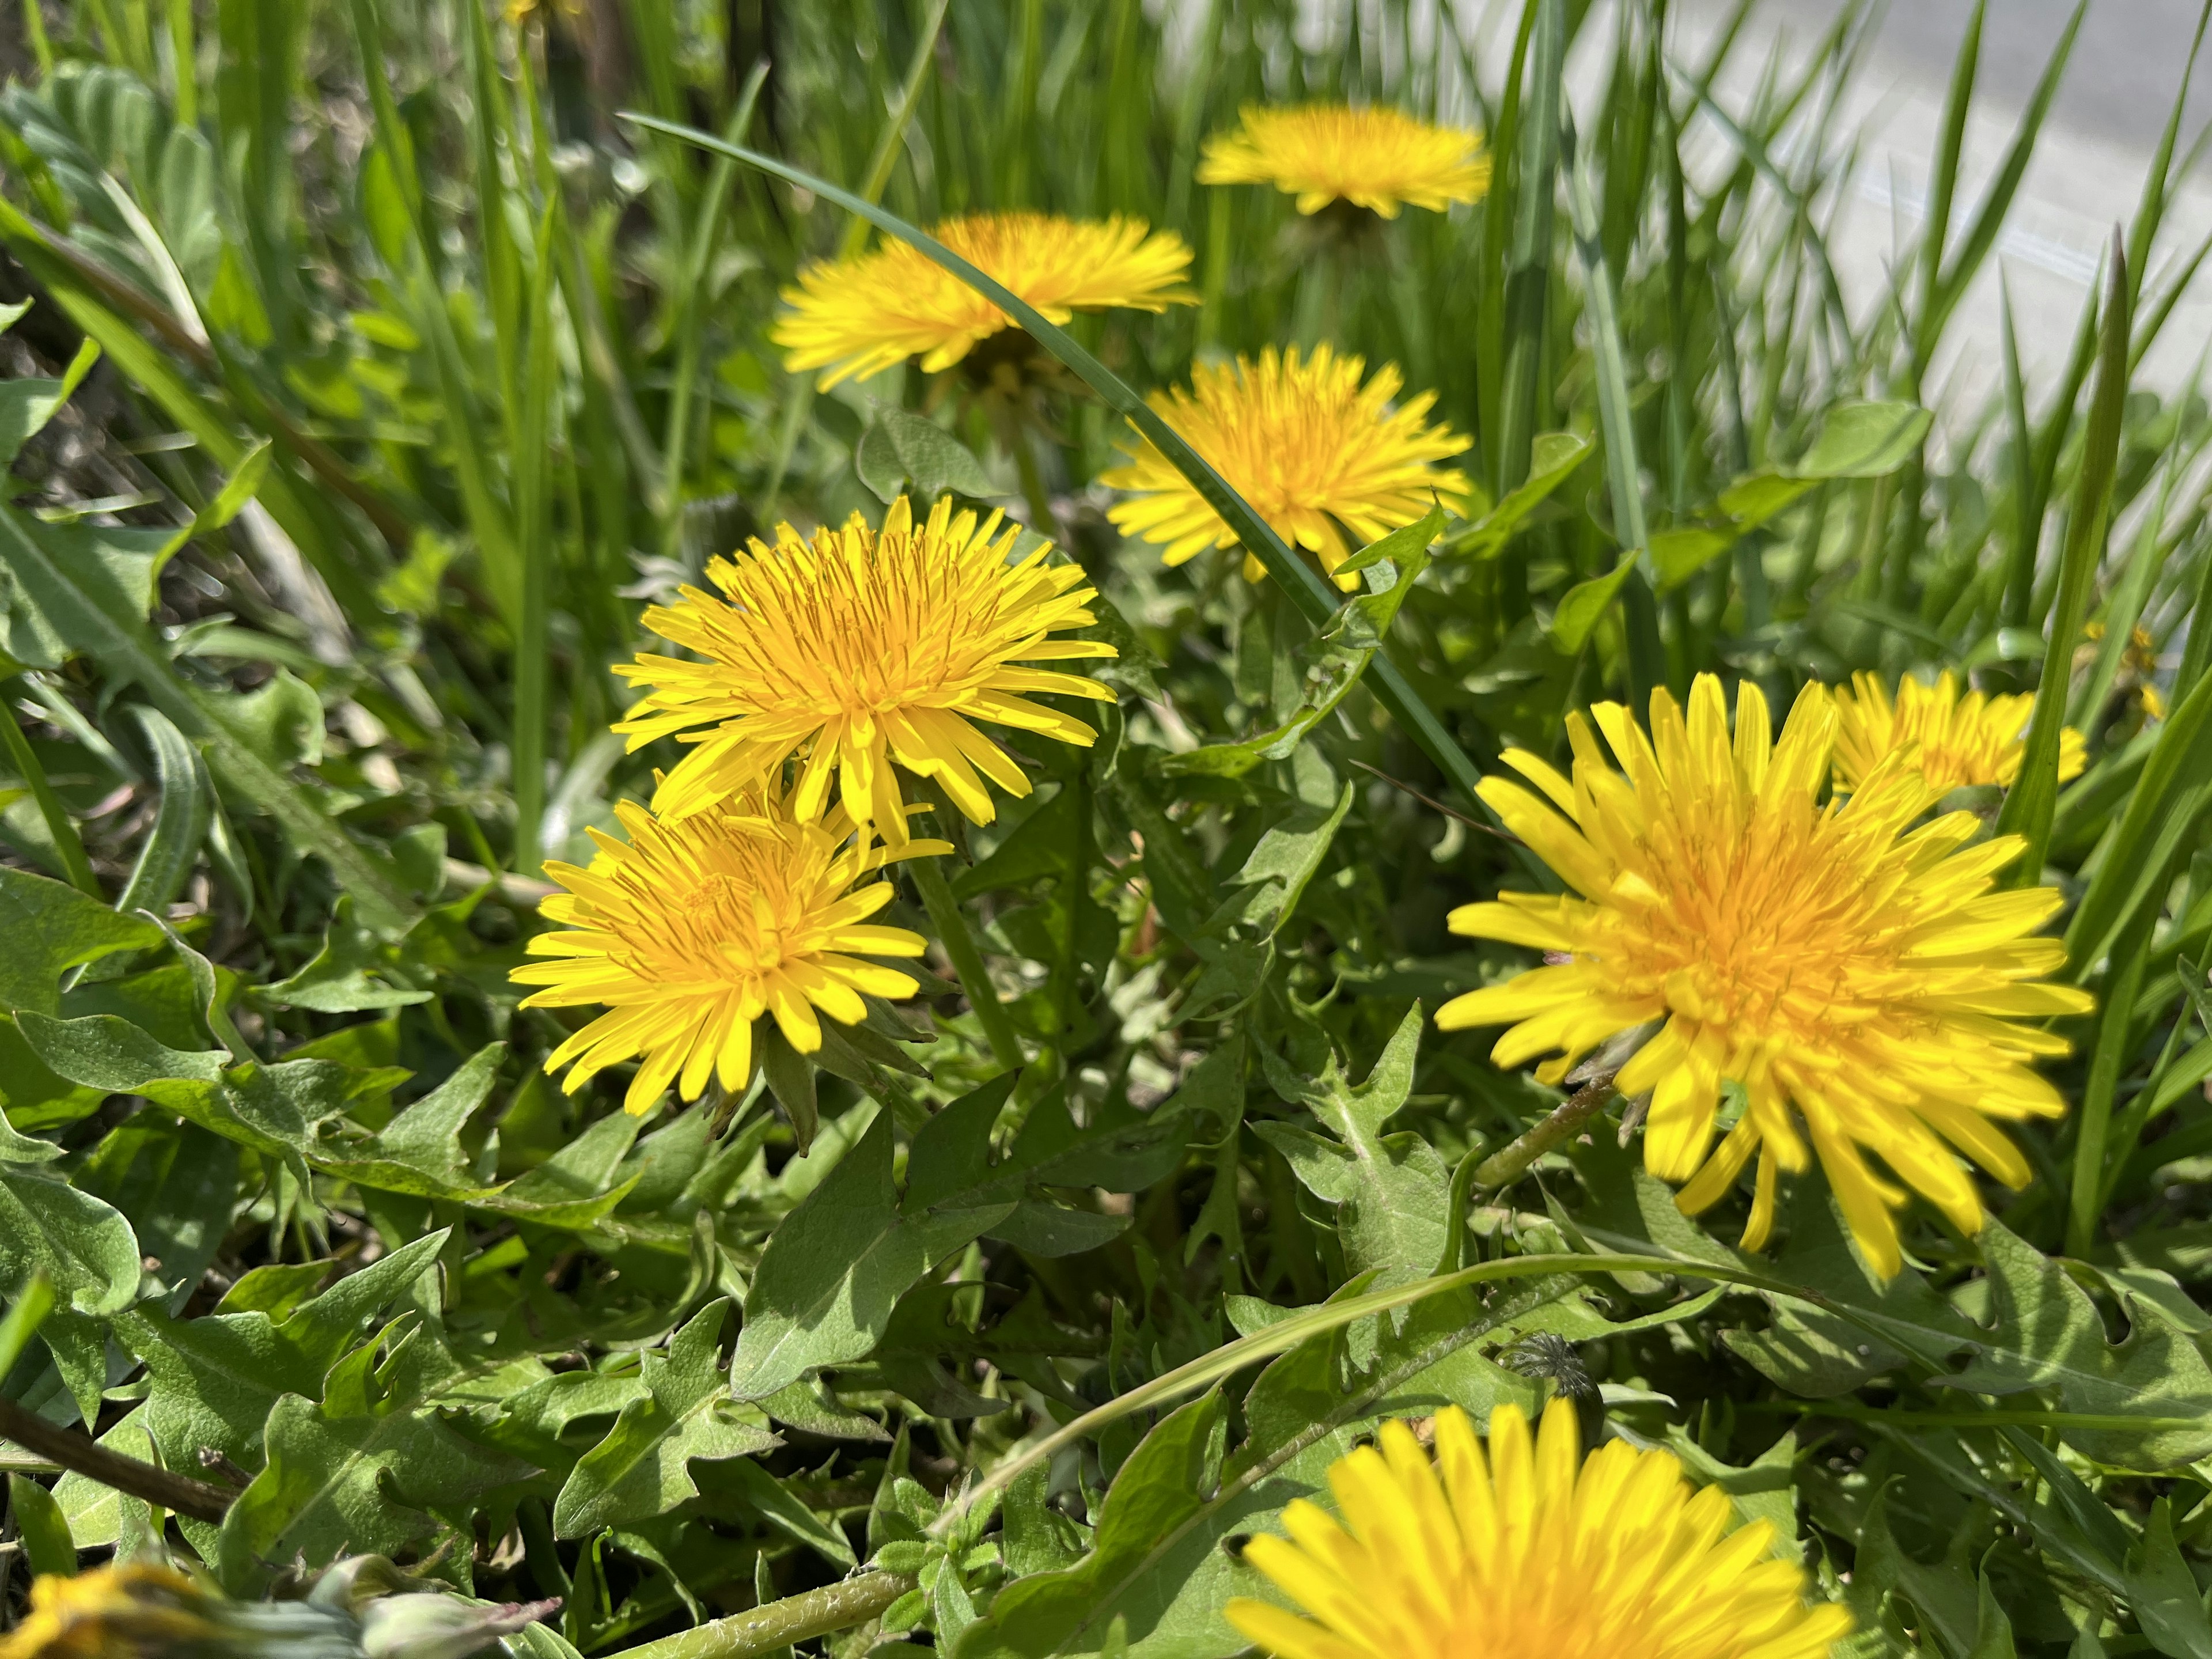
point(180, 823)
point(1528, 277)
point(1996, 202)
point(1647, 654)
point(2031, 802)
point(69, 846)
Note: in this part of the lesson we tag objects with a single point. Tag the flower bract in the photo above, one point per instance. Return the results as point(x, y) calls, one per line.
point(692, 930)
point(1379, 158)
point(867, 313)
point(1974, 738)
point(1314, 452)
point(859, 649)
point(1839, 981)
point(1531, 1552)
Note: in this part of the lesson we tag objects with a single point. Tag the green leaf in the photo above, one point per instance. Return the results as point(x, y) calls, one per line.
point(1586, 604)
point(579, 1185)
point(41, 1527)
point(1336, 660)
point(1864, 441)
point(26, 405)
point(273, 1109)
point(358, 1472)
point(339, 979)
point(1554, 457)
point(86, 1250)
point(178, 1185)
point(181, 823)
point(51, 929)
point(642, 1467)
point(1390, 1190)
point(1407, 545)
point(2162, 1591)
point(1855, 440)
point(900, 445)
point(837, 1265)
point(214, 1381)
point(80, 606)
point(2045, 1336)
point(758, 1491)
point(420, 1151)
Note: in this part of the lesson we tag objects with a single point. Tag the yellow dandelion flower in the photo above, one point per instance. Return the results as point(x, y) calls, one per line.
point(1534, 1551)
point(111, 1612)
point(862, 315)
point(692, 930)
point(1976, 738)
point(1378, 158)
point(1315, 454)
point(861, 648)
point(1832, 960)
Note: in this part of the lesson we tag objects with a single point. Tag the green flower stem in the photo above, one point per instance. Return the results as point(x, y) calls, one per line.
point(1024, 442)
point(967, 961)
point(1510, 1162)
point(780, 1624)
point(67, 842)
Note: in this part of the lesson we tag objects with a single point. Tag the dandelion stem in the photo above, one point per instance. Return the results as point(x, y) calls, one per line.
point(1512, 1162)
point(73, 1449)
point(967, 958)
point(779, 1624)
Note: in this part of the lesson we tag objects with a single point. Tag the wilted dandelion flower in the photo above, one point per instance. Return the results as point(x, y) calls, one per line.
point(693, 929)
point(1536, 1553)
point(1976, 738)
point(1378, 158)
point(865, 315)
point(136, 1607)
point(146, 1609)
point(859, 648)
point(1834, 959)
point(1313, 451)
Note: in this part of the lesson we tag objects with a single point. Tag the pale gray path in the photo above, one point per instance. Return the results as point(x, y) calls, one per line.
point(2118, 85)
point(2086, 177)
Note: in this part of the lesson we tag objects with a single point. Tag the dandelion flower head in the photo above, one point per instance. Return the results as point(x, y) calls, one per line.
point(1313, 450)
point(115, 1611)
point(1532, 1552)
point(859, 649)
point(1976, 738)
point(692, 930)
point(1378, 158)
point(862, 315)
point(1856, 977)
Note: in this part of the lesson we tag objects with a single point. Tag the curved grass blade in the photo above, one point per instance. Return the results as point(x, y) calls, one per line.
point(1313, 595)
point(180, 824)
point(1281, 1338)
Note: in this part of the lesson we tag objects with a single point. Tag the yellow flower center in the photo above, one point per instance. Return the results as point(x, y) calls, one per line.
point(859, 648)
point(693, 929)
point(1844, 969)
